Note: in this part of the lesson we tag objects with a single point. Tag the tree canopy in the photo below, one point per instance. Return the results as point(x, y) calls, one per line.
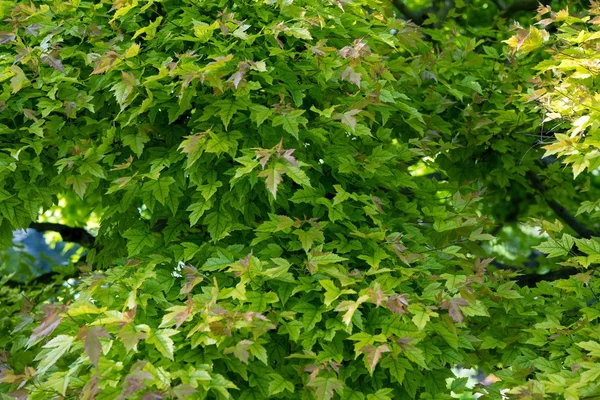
point(299, 199)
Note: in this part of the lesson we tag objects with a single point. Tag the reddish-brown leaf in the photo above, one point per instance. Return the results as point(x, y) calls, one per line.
point(52, 318)
point(53, 62)
point(92, 345)
point(453, 306)
point(373, 355)
point(396, 304)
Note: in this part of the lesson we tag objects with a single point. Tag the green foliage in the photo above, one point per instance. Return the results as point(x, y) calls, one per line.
point(294, 203)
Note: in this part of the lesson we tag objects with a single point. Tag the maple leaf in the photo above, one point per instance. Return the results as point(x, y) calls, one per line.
point(396, 303)
point(192, 278)
point(350, 307)
point(373, 355)
point(52, 318)
point(134, 381)
point(130, 336)
point(290, 121)
point(240, 350)
point(56, 348)
point(178, 314)
point(105, 62)
point(124, 88)
point(297, 175)
point(183, 391)
point(359, 50)
point(264, 156)
point(19, 80)
point(480, 266)
point(92, 346)
point(453, 306)
point(278, 384)
point(349, 75)
point(227, 109)
point(218, 224)
point(161, 339)
point(377, 296)
point(53, 62)
point(347, 118)
point(273, 177)
point(80, 183)
point(138, 239)
point(91, 389)
point(238, 76)
point(286, 154)
point(7, 37)
point(324, 387)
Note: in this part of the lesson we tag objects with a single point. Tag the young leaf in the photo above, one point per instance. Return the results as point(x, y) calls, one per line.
point(161, 339)
point(372, 355)
point(92, 337)
point(273, 177)
point(57, 347)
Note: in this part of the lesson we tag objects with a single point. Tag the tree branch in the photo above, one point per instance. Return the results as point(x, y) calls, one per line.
point(559, 209)
point(531, 280)
point(69, 234)
point(49, 277)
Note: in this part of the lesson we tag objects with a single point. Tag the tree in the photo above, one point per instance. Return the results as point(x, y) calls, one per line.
point(298, 200)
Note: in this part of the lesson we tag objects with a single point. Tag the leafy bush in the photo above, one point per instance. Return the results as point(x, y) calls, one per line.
point(296, 200)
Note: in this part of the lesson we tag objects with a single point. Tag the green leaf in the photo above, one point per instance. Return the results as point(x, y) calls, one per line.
point(290, 122)
point(325, 387)
point(298, 32)
point(160, 188)
point(79, 183)
point(307, 238)
point(311, 315)
point(352, 394)
point(193, 146)
point(278, 384)
point(217, 263)
point(350, 307)
point(8, 209)
point(19, 80)
point(591, 247)
point(591, 346)
point(556, 248)
point(197, 210)
point(381, 394)
point(592, 374)
point(92, 168)
point(306, 195)
point(325, 258)
point(218, 224)
point(397, 367)
point(135, 142)
point(372, 355)
point(161, 339)
point(259, 114)
point(421, 316)
point(57, 347)
point(297, 175)
point(277, 223)
point(137, 240)
point(227, 110)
